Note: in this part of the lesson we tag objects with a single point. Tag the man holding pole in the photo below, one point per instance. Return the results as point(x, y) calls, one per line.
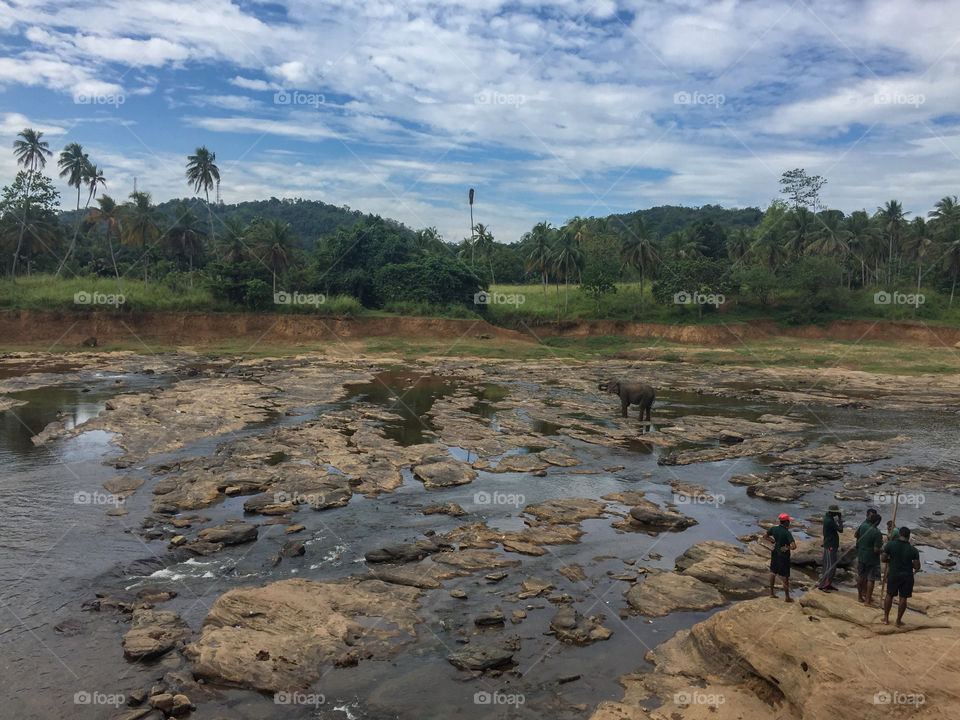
point(904, 561)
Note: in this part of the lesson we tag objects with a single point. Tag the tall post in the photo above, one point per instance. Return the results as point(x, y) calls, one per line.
point(473, 236)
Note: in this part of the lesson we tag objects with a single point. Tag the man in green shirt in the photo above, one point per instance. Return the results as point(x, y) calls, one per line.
point(783, 543)
point(904, 562)
point(869, 545)
point(866, 523)
point(832, 527)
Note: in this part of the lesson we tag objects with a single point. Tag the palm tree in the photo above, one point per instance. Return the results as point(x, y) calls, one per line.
point(893, 220)
point(140, 225)
point(637, 252)
point(31, 153)
point(275, 240)
point(768, 249)
point(917, 245)
point(863, 241)
point(800, 226)
point(952, 260)
point(567, 256)
point(203, 172)
point(946, 221)
point(539, 243)
point(93, 177)
point(76, 167)
point(108, 214)
point(483, 246)
point(231, 243)
point(185, 238)
point(738, 244)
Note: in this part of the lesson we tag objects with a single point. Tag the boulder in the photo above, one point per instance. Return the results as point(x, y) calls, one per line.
point(732, 570)
point(232, 532)
point(153, 633)
point(570, 626)
point(282, 635)
point(662, 594)
point(480, 656)
point(647, 516)
point(566, 510)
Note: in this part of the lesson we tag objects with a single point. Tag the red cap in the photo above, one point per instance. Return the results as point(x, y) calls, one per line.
point(784, 517)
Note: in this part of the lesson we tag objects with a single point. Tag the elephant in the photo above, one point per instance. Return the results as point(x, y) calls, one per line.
point(631, 393)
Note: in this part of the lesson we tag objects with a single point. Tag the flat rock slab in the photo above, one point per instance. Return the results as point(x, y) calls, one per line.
point(852, 451)
point(566, 510)
point(232, 532)
point(123, 486)
point(732, 570)
point(282, 635)
point(558, 458)
point(662, 594)
point(452, 509)
point(478, 657)
point(650, 517)
point(523, 462)
point(748, 448)
point(153, 633)
point(474, 560)
point(444, 473)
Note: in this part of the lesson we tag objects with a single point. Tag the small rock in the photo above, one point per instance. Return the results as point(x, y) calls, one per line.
point(458, 593)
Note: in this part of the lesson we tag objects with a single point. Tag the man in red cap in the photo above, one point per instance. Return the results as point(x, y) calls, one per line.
point(783, 543)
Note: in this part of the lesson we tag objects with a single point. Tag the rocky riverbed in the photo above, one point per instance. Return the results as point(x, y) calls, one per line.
point(306, 537)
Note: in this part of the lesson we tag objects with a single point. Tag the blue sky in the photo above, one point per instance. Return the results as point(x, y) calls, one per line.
point(548, 110)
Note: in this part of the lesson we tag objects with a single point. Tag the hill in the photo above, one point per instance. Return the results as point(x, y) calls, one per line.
point(665, 219)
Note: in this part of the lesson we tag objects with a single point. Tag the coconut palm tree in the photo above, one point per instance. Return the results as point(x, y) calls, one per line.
point(274, 239)
point(483, 246)
point(893, 221)
point(863, 241)
point(202, 172)
point(77, 168)
point(31, 153)
point(231, 242)
point(185, 238)
point(738, 244)
point(93, 177)
point(637, 252)
point(539, 242)
point(140, 225)
point(567, 257)
point(107, 214)
point(917, 245)
point(946, 222)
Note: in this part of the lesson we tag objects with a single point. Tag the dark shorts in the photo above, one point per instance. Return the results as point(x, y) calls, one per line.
point(901, 585)
point(870, 572)
point(780, 564)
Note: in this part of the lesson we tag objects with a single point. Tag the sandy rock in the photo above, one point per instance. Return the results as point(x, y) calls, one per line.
point(732, 570)
point(153, 633)
point(282, 635)
point(558, 458)
point(522, 462)
point(123, 487)
point(754, 446)
point(232, 532)
point(474, 560)
point(662, 594)
point(445, 473)
point(566, 510)
point(649, 517)
point(452, 509)
point(851, 451)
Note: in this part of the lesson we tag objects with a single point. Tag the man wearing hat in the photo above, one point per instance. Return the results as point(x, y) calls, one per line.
point(832, 527)
point(783, 543)
point(904, 561)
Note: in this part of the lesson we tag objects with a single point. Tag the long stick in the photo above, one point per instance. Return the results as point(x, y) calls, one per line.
point(893, 525)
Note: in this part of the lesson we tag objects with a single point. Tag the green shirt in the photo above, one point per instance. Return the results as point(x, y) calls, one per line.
point(902, 554)
point(863, 528)
point(870, 539)
point(831, 532)
point(783, 537)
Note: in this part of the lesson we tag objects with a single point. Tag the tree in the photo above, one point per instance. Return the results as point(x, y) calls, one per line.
point(738, 244)
point(140, 225)
point(29, 221)
point(863, 241)
point(31, 153)
point(77, 168)
point(767, 247)
point(917, 245)
point(802, 189)
point(567, 257)
point(231, 243)
point(800, 227)
point(539, 243)
point(185, 238)
point(637, 252)
point(202, 172)
point(107, 214)
point(483, 245)
point(892, 220)
point(274, 240)
point(831, 238)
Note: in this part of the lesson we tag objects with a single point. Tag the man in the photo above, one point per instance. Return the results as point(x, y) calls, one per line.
point(865, 524)
point(783, 543)
point(832, 527)
point(869, 545)
point(904, 562)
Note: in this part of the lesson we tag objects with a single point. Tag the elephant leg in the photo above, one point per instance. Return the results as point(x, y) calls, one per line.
point(624, 405)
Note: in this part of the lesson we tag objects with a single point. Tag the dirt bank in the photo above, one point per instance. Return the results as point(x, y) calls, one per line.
point(734, 333)
point(73, 328)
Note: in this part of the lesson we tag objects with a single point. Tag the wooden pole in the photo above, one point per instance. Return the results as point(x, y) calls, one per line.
point(893, 525)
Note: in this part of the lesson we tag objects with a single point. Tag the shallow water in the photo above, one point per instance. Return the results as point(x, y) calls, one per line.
point(55, 551)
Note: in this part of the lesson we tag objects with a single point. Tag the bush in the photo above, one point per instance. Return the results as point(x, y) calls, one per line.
point(435, 280)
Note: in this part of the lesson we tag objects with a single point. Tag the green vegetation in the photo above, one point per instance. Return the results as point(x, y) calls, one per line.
point(796, 262)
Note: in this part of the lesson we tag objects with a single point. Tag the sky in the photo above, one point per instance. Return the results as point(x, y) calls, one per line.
point(548, 110)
